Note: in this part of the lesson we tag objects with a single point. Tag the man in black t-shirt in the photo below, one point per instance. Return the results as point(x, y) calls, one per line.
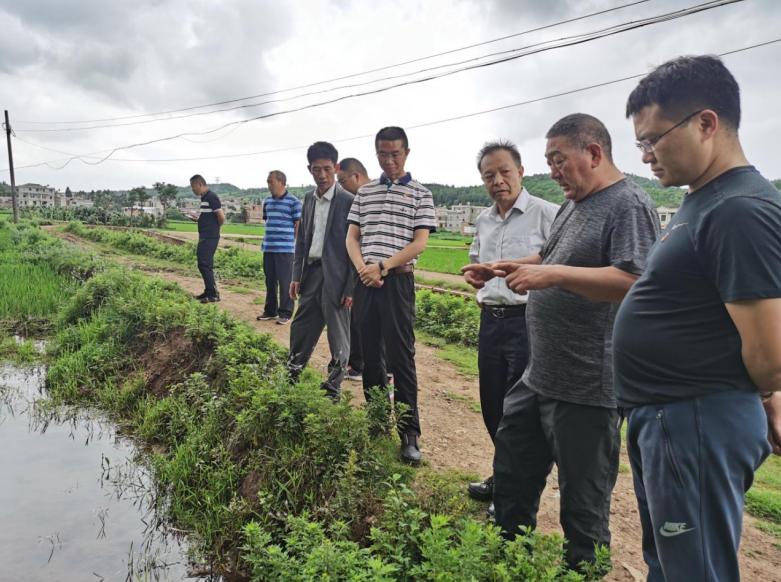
point(697, 341)
point(210, 219)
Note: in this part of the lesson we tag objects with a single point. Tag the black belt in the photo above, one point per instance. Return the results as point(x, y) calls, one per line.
point(314, 262)
point(505, 311)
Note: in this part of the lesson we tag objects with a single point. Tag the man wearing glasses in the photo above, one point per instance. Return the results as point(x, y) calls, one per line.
point(698, 338)
point(390, 221)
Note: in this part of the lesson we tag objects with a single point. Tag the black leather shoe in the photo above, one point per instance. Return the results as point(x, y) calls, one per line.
point(211, 299)
point(410, 450)
point(491, 512)
point(483, 490)
point(201, 296)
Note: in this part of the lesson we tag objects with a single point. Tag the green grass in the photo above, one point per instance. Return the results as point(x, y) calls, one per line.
point(763, 500)
point(443, 260)
point(462, 357)
point(189, 226)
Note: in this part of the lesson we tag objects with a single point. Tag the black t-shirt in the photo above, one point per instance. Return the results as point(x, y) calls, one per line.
point(673, 338)
point(208, 227)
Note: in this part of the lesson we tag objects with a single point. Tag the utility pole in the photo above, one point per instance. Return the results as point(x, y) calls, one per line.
point(11, 166)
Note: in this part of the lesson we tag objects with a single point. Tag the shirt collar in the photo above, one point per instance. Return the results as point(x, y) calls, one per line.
point(328, 193)
point(404, 180)
point(521, 204)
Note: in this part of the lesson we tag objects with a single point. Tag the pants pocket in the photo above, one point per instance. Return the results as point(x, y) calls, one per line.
point(668, 448)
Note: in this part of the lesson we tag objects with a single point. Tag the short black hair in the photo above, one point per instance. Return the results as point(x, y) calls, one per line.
point(583, 129)
point(278, 175)
point(353, 165)
point(197, 178)
point(322, 150)
point(391, 133)
point(499, 145)
point(687, 84)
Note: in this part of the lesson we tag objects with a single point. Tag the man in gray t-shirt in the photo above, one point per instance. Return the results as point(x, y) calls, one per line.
point(563, 410)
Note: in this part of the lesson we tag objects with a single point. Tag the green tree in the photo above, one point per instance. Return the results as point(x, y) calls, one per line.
point(166, 193)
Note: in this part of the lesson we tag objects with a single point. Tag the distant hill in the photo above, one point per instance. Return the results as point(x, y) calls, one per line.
point(543, 186)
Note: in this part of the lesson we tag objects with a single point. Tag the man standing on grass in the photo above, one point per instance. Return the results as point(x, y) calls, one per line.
point(322, 273)
point(698, 338)
point(390, 222)
point(563, 409)
point(351, 176)
point(282, 214)
point(210, 219)
point(516, 225)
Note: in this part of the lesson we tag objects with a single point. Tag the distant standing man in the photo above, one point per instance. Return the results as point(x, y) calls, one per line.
point(390, 222)
point(210, 219)
point(516, 225)
point(698, 338)
point(351, 176)
point(564, 409)
point(282, 214)
point(323, 275)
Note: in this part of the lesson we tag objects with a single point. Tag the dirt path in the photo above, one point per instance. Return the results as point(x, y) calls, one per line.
point(454, 438)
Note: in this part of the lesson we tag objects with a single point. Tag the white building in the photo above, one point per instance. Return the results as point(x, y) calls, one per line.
point(665, 215)
point(458, 217)
point(35, 195)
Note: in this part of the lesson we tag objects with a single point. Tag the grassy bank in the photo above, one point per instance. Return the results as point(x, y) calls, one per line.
point(270, 481)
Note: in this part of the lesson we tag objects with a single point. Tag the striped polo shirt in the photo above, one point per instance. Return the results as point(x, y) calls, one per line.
point(388, 212)
point(280, 215)
point(208, 225)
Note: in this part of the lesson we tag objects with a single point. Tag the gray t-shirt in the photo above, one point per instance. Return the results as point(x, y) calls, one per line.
point(570, 336)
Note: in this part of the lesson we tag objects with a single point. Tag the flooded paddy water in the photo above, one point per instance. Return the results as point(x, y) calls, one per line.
point(74, 503)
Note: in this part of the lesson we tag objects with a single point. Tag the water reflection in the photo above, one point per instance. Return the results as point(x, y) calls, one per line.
point(75, 504)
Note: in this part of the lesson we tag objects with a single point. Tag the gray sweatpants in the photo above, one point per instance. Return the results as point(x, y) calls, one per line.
point(315, 311)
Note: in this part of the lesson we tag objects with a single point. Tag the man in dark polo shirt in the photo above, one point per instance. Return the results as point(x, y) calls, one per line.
point(563, 410)
point(698, 338)
point(210, 218)
point(390, 221)
point(517, 224)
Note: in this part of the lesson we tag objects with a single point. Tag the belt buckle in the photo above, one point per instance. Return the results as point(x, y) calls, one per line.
point(499, 312)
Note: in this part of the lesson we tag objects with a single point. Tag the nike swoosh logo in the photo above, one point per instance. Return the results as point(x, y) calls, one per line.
point(670, 530)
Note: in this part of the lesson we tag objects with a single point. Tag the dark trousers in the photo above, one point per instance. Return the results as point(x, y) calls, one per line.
point(205, 256)
point(356, 353)
point(278, 268)
point(583, 441)
point(387, 319)
point(315, 311)
point(502, 355)
point(692, 463)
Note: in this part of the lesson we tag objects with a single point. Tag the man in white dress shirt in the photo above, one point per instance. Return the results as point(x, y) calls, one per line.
point(516, 225)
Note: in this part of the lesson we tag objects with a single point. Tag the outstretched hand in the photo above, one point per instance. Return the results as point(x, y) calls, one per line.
point(523, 278)
point(478, 274)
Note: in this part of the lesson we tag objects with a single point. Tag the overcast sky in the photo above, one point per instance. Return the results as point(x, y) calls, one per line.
point(82, 60)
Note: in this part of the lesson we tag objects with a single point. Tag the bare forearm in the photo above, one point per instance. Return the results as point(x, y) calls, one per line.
point(405, 255)
point(764, 371)
point(354, 250)
point(607, 284)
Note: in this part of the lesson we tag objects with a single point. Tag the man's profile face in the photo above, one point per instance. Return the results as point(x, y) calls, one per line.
point(678, 158)
point(348, 181)
point(324, 173)
point(502, 178)
point(199, 188)
point(570, 167)
point(392, 155)
point(275, 186)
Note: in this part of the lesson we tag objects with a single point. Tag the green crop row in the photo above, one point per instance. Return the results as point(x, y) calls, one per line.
point(228, 263)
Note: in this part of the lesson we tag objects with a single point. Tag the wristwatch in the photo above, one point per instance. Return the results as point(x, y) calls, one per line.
point(383, 271)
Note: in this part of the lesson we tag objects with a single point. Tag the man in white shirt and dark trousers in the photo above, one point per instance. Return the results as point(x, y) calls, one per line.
point(516, 225)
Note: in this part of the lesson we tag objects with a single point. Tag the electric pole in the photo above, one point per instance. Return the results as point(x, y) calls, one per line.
point(11, 166)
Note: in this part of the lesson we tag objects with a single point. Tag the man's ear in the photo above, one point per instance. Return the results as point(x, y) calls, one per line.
point(596, 154)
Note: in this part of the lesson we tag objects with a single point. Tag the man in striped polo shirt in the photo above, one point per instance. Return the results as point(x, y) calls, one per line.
point(390, 222)
point(282, 214)
point(210, 218)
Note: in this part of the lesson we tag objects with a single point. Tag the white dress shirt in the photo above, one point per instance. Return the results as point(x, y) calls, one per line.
point(522, 232)
point(322, 206)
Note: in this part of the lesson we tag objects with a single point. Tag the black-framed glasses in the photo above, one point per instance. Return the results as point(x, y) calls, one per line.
point(647, 146)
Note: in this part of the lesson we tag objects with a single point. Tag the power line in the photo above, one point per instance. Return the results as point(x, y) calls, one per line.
point(350, 76)
point(518, 52)
point(409, 127)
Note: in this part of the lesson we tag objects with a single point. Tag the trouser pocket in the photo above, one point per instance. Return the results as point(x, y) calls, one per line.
point(668, 447)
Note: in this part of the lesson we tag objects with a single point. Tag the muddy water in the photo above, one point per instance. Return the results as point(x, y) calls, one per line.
point(73, 504)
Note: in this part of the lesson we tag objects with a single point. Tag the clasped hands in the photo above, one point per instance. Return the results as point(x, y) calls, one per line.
point(370, 275)
point(520, 278)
